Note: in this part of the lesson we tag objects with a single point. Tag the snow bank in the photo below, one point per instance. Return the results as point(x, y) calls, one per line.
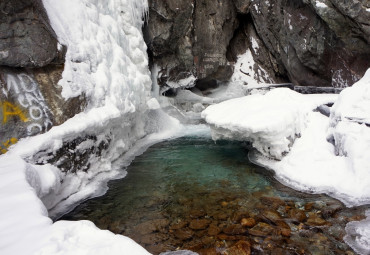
point(26, 227)
point(271, 121)
point(23, 217)
point(331, 156)
point(83, 237)
point(313, 166)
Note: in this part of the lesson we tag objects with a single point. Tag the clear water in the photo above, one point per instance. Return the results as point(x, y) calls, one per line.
point(193, 193)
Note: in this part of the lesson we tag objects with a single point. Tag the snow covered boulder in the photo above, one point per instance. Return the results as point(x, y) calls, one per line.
point(350, 119)
point(338, 166)
point(271, 122)
point(350, 127)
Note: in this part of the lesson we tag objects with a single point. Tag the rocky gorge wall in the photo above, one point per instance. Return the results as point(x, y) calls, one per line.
point(310, 43)
point(31, 64)
point(307, 42)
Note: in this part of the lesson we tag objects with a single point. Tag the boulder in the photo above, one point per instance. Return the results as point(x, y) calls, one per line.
point(26, 38)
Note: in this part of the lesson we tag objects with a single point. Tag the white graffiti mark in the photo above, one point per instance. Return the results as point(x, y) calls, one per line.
point(32, 111)
point(28, 95)
point(37, 126)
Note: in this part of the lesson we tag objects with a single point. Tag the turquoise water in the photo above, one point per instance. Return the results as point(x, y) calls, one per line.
point(189, 192)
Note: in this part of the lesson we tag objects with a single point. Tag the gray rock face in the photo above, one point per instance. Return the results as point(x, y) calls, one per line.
point(190, 38)
point(317, 44)
point(26, 38)
point(31, 103)
point(314, 43)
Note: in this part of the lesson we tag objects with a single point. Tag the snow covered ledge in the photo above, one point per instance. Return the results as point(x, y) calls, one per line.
point(271, 122)
point(29, 230)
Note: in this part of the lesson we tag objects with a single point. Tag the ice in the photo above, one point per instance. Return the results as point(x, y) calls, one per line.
point(358, 235)
point(106, 57)
point(271, 122)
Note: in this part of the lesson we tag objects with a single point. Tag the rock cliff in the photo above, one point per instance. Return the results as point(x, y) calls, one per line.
point(31, 64)
point(309, 42)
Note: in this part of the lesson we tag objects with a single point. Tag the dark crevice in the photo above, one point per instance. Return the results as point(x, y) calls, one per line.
point(243, 19)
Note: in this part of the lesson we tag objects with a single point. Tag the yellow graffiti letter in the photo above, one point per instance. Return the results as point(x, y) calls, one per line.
point(12, 110)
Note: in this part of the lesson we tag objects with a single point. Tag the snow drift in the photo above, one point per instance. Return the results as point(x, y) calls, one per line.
point(270, 122)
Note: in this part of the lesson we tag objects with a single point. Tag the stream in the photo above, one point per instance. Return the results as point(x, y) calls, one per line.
point(192, 193)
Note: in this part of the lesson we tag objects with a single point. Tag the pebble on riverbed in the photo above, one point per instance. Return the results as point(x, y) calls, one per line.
point(230, 229)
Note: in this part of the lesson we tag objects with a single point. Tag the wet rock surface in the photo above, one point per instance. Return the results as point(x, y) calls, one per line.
point(199, 210)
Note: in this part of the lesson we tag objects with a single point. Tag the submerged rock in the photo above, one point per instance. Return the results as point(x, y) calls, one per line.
point(199, 224)
point(240, 248)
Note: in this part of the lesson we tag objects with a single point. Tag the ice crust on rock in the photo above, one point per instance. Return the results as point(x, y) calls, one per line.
point(271, 122)
point(358, 235)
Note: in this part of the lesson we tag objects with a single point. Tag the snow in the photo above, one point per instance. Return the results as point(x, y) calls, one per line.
point(244, 79)
point(340, 168)
point(106, 57)
point(153, 104)
point(106, 62)
point(245, 73)
point(183, 83)
point(254, 44)
point(313, 166)
point(354, 102)
point(83, 237)
point(24, 220)
point(271, 122)
point(321, 5)
point(27, 229)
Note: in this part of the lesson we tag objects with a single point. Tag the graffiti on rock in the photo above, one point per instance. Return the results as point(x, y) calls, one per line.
point(4, 146)
point(23, 108)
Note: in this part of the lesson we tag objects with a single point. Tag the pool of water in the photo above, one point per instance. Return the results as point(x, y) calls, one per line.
point(192, 193)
